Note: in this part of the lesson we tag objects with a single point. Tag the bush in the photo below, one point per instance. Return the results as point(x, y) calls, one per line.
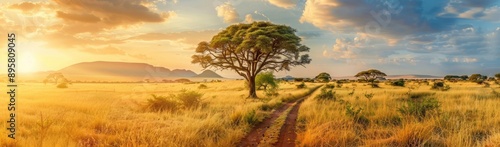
point(190, 99)
point(440, 86)
point(272, 92)
point(301, 86)
point(419, 108)
point(330, 86)
point(326, 95)
point(355, 113)
point(186, 100)
point(62, 85)
point(399, 82)
point(160, 104)
point(202, 86)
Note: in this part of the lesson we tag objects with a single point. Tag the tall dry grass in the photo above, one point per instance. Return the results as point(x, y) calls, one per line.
point(113, 115)
point(468, 116)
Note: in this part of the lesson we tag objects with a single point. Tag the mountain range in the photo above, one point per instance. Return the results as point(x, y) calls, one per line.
point(122, 71)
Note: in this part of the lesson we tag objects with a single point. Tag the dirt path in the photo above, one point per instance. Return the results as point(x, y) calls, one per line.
point(287, 133)
point(288, 129)
point(253, 138)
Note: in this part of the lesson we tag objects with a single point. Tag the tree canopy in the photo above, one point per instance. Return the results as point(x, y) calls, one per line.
point(497, 76)
point(323, 77)
point(265, 79)
point(370, 75)
point(249, 49)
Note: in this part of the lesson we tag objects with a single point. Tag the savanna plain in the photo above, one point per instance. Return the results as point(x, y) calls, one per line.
point(220, 114)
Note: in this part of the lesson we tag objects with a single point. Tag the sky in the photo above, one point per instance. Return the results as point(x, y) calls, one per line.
point(435, 37)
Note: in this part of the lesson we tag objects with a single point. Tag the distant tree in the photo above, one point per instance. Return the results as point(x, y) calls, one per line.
point(249, 49)
point(182, 80)
point(58, 78)
point(451, 77)
point(370, 75)
point(497, 76)
point(323, 77)
point(464, 77)
point(475, 77)
point(265, 79)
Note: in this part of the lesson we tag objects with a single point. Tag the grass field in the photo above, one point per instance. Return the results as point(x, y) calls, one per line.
point(467, 115)
point(113, 115)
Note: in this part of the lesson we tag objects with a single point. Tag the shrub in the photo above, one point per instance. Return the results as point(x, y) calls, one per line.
point(160, 104)
point(331, 86)
point(202, 86)
point(301, 86)
point(419, 95)
point(355, 113)
point(183, 80)
point(62, 85)
point(419, 108)
point(440, 86)
point(189, 99)
point(326, 95)
point(399, 82)
point(251, 118)
point(272, 92)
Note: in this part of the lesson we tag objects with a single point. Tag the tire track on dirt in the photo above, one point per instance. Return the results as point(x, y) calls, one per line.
point(255, 136)
point(288, 135)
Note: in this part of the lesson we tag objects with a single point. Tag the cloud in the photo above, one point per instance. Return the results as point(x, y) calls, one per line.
point(491, 14)
point(385, 19)
point(228, 13)
point(109, 50)
point(347, 48)
point(248, 18)
point(109, 13)
point(88, 18)
point(26, 6)
point(469, 9)
point(287, 4)
point(461, 60)
point(189, 37)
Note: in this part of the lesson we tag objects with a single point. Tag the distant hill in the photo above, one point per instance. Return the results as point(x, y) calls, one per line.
point(121, 71)
point(208, 74)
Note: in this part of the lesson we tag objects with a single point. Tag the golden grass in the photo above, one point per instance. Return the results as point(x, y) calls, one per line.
point(468, 116)
point(111, 115)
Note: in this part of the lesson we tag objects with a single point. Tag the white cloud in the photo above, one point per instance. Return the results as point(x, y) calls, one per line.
point(287, 4)
point(227, 12)
point(249, 18)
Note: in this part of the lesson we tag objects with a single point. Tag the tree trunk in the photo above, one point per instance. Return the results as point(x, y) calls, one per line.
point(251, 84)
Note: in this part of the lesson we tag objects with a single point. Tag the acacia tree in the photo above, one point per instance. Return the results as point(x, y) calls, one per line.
point(323, 77)
point(249, 49)
point(370, 75)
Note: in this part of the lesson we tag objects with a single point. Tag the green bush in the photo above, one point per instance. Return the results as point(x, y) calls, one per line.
point(190, 99)
point(440, 86)
point(251, 118)
point(419, 108)
point(355, 114)
point(202, 86)
point(160, 104)
point(326, 95)
point(301, 86)
point(62, 85)
point(185, 99)
point(331, 86)
point(399, 82)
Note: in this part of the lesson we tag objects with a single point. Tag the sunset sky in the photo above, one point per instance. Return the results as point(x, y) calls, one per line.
point(434, 37)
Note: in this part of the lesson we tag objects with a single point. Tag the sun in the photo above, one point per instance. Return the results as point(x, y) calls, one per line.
point(27, 63)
